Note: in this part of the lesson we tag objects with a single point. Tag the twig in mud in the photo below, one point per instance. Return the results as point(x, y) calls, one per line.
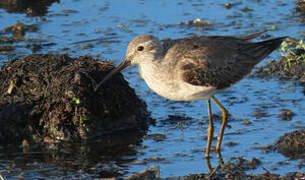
point(263, 147)
point(267, 171)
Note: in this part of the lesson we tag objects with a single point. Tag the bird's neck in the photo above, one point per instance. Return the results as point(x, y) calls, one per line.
point(150, 68)
point(157, 77)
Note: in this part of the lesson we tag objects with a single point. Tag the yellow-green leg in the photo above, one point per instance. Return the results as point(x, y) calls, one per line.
point(223, 123)
point(210, 130)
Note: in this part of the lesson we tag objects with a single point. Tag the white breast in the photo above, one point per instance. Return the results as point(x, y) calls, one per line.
point(171, 85)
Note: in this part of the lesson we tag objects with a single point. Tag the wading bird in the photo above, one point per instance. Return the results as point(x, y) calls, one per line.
point(195, 68)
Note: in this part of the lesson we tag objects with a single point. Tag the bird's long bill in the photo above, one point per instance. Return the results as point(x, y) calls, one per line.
point(119, 68)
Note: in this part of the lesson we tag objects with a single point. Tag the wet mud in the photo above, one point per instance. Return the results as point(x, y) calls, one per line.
point(50, 98)
point(291, 145)
point(30, 8)
point(233, 169)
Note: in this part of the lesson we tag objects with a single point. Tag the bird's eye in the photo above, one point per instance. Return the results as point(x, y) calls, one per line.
point(140, 48)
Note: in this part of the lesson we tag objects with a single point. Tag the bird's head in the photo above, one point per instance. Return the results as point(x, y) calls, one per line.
point(142, 49)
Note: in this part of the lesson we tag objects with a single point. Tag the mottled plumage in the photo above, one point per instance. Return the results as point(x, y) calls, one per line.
point(195, 68)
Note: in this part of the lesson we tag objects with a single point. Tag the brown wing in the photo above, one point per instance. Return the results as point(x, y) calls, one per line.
point(180, 47)
point(221, 62)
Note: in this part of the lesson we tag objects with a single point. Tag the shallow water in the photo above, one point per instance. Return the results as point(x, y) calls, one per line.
point(103, 29)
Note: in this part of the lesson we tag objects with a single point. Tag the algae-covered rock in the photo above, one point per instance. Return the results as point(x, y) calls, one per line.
point(291, 65)
point(51, 97)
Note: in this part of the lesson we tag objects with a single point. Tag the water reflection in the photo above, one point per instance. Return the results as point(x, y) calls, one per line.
point(209, 165)
point(102, 157)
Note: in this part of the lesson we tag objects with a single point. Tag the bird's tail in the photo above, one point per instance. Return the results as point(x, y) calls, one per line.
point(262, 49)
